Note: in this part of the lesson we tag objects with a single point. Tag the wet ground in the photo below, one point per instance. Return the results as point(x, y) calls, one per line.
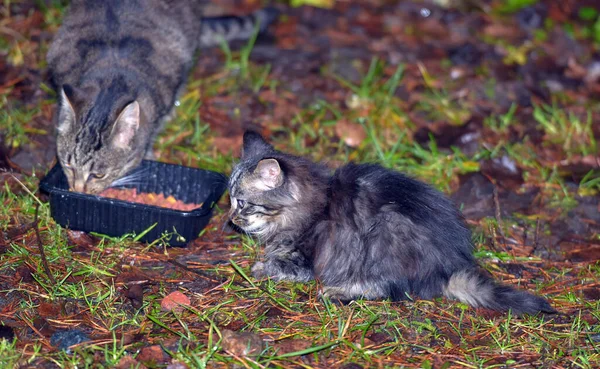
point(495, 104)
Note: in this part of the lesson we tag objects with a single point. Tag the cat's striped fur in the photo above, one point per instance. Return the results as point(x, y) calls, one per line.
point(118, 66)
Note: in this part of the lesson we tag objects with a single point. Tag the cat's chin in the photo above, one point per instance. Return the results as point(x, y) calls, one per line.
point(249, 231)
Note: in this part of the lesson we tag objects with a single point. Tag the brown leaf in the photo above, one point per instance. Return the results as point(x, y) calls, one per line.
point(153, 354)
point(128, 362)
point(380, 337)
point(291, 345)
point(47, 310)
point(175, 301)
point(81, 240)
point(23, 274)
point(177, 365)
point(241, 343)
point(504, 170)
point(135, 294)
point(133, 275)
point(353, 134)
point(592, 294)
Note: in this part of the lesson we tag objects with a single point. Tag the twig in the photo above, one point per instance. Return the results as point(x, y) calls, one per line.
point(179, 265)
point(536, 237)
point(41, 245)
point(498, 214)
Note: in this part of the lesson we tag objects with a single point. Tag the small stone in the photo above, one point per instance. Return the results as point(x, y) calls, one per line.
point(175, 301)
point(66, 338)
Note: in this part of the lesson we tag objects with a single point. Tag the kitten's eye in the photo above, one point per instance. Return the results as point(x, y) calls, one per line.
point(98, 175)
point(241, 203)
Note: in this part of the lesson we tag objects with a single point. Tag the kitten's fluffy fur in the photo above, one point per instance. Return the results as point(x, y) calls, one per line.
point(118, 66)
point(364, 232)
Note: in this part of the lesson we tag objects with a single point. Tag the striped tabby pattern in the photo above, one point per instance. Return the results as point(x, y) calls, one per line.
point(118, 66)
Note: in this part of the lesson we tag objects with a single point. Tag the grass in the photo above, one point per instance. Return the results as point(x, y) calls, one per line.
point(94, 276)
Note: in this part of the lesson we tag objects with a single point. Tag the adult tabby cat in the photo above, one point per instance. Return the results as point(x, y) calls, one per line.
point(364, 232)
point(118, 66)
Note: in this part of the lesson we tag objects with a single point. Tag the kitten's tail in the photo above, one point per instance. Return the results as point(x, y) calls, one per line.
point(230, 28)
point(479, 290)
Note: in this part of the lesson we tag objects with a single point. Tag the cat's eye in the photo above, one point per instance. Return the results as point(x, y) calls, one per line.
point(67, 166)
point(241, 203)
point(98, 175)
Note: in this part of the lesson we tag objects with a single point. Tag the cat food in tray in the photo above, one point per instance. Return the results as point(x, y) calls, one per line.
point(175, 186)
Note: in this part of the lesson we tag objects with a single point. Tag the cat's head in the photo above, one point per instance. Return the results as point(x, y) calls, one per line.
point(96, 142)
point(271, 191)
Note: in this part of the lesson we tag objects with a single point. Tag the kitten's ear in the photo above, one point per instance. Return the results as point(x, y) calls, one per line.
point(66, 110)
point(254, 144)
point(126, 126)
point(268, 173)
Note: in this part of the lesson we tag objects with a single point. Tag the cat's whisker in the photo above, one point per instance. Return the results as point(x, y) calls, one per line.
point(133, 178)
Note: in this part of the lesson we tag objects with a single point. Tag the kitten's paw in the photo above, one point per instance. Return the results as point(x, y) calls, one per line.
point(281, 270)
point(258, 270)
point(336, 295)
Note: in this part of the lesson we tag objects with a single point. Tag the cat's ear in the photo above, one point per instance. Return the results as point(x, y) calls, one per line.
point(268, 174)
point(66, 110)
point(254, 144)
point(126, 126)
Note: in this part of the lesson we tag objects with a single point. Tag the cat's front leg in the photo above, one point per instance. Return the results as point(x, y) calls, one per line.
point(289, 267)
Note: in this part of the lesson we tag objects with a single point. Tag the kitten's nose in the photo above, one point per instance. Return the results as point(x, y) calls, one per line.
point(79, 186)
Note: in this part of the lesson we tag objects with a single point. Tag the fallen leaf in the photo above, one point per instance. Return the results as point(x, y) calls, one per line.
point(152, 355)
point(47, 310)
point(175, 301)
point(291, 345)
point(177, 365)
point(592, 294)
point(135, 294)
point(353, 134)
point(504, 170)
point(380, 337)
point(241, 343)
point(23, 274)
point(81, 240)
point(128, 362)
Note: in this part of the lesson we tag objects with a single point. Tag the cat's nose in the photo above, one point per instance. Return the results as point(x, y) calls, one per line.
point(79, 186)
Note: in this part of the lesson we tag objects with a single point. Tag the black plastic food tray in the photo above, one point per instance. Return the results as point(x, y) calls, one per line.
point(112, 217)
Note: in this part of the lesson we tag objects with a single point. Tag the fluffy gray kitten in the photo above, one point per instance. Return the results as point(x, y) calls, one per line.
point(363, 232)
point(118, 66)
